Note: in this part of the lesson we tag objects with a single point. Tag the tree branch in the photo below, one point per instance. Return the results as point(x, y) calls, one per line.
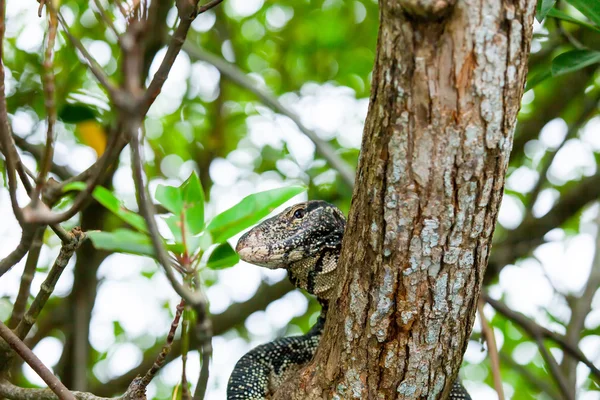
point(113, 92)
point(580, 308)
point(26, 278)
point(589, 109)
point(35, 363)
point(555, 371)
point(37, 152)
point(539, 332)
point(235, 315)
point(237, 76)
point(490, 339)
point(50, 105)
point(12, 392)
point(522, 240)
point(65, 254)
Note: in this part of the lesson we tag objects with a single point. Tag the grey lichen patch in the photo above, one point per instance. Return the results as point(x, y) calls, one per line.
point(440, 293)
point(451, 255)
point(466, 259)
point(438, 386)
point(491, 48)
point(380, 318)
point(356, 383)
point(358, 310)
point(430, 236)
point(470, 161)
point(407, 389)
point(422, 158)
point(374, 235)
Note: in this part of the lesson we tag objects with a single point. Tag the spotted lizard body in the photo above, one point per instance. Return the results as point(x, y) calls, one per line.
point(306, 240)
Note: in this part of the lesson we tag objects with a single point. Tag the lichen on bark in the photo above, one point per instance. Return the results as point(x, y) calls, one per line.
point(445, 96)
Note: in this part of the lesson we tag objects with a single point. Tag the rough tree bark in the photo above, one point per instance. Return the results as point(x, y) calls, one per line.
point(446, 90)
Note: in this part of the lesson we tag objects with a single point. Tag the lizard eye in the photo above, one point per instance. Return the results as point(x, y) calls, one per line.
point(299, 213)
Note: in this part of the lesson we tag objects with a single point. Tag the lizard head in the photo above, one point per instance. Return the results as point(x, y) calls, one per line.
point(298, 233)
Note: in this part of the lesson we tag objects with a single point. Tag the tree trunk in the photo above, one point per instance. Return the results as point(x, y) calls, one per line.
point(446, 90)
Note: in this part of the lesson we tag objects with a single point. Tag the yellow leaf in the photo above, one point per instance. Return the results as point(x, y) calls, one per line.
point(93, 135)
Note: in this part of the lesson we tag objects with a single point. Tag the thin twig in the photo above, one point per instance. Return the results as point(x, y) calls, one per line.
point(537, 331)
point(186, 17)
point(589, 109)
point(530, 378)
point(234, 74)
point(162, 357)
point(490, 339)
point(36, 151)
point(66, 252)
point(7, 145)
point(35, 363)
point(185, 341)
point(106, 18)
point(204, 333)
point(17, 254)
point(26, 278)
point(93, 65)
point(12, 392)
point(44, 215)
point(208, 6)
point(555, 371)
point(580, 308)
point(50, 105)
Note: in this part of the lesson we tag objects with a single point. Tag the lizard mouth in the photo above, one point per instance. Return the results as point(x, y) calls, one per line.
point(251, 249)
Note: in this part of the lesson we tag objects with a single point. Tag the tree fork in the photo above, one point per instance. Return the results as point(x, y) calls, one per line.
point(445, 95)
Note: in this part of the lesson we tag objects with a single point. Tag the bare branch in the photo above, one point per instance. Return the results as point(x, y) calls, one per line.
point(527, 376)
point(208, 6)
point(187, 13)
point(580, 308)
point(559, 378)
point(162, 357)
point(490, 339)
point(238, 77)
point(106, 18)
point(589, 109)
point(93, 65)
point(44, 215)
point(12, 392)
point(50, 104)
point(26, 278)
point(6, 143)
point(35, 363)
point(522, 240)
point(17, 254)
point(235, 315)
point(37, 152)
point(537, 331)
point(65, 254)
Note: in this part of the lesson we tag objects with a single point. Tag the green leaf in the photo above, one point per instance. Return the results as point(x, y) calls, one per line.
point(170, 197)
point(74, 113)
point(124, 241)
point(174, 224)
point(555, 13)
point(574, 60)
point(589, 8)
point(114, 205)
point(186, 202)
point(249, 211)
point(543, 6)
point(223, 256)
point(538, 78)
point(193, 203)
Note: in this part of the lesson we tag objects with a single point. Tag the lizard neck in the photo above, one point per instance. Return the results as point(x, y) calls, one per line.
point(316, 274)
